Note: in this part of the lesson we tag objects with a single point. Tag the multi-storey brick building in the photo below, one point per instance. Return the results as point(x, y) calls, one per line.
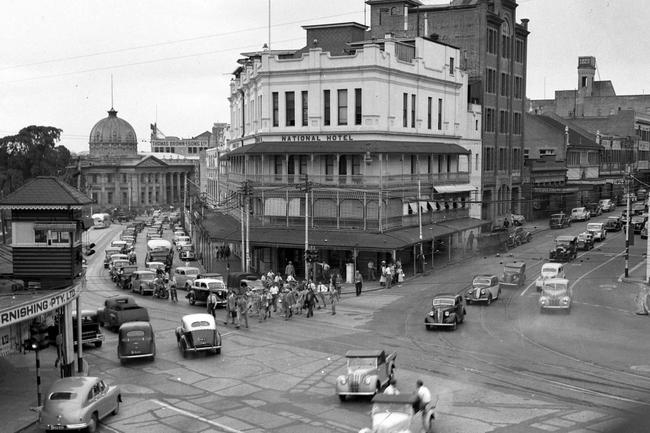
point(161, 143)
point(378, 131)
point(493, 51)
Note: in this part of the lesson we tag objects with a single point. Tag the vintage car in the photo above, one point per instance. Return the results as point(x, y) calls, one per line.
point(136, 340)
point(447, 311)
point(121, 309)
point(594, 209)
point(184, 276)
point(585, 241)
point(395, 413)
point(518, 220)
point(514, 275)
point(123, 245)
point(559, 221)
point(91, 332)
point(154, 266)
point(598, 230)
point(607, 204)
point(186, 253)
point(123, 279)
point(153, 235)
point(368, 372)
point(566, 249)
point(177, 234)
point(556, 295)
point(521, 235)
point(108, 253)
point(78, 402)
point(613, 224)
point(142, 282)
point(182, 240)
point(485, 288)
point(638, 208)
point(580, 214)
point(644, 231)
point(198, 333)
point(116, 266)
point(637, 222)
point(201, 288)
point(549, 271)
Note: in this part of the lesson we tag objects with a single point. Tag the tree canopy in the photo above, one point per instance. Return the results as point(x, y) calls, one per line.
point(30, 153)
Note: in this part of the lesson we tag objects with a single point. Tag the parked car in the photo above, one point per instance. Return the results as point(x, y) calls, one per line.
point(108, 252)
point(78, 402)
point(154, 266)
point(182, 240)
point(644, 231)
point(368, 372)
point(142, 282)
point(123, 279)
point(607, 204)
point(514, 275)
point(186, 253)
point(637, 222)
point(177, 234)
point(136, 340)
point(202, 287)
point(521, 235)
point(485, 288)
point(638, 209)
point(518, 220)
point(117, 266)
point(91, 332)
point(585, 241)
point(594, 209)
point(121, 309)
point(613, 224)
point(198, 333)
point(556, 294)
point(598, 230)
point(184, 276)
point(559, 221)
point(549, 271)
point(566, 249)
point(123, 245)
point(580, 214)
point(447, 311)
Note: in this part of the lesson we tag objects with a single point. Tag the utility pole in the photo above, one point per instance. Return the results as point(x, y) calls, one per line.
point(306, 187)
point(627, 220)
point(246, 191)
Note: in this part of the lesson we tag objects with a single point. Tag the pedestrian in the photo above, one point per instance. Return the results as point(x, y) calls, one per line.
point(242, 310)
point(333, 296)
point(286, 305)
point(382, 276)
point(391, 389)
point(358, 281)
point(231, 306)
point(59, 349)
point(423, 396)
point(173, 295)
point(321, 291)
point(289, 270)
point(268, 300)
point(212, 303)
point(310, 300)
point(372, 276)
point(274, 291)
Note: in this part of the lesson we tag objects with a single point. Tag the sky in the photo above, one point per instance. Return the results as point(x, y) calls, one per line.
point(171, 61)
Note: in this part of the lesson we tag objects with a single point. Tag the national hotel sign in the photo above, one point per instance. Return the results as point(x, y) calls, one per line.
point(304, 138)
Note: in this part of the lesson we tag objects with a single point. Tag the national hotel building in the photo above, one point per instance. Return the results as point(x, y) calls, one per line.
point(382, 129)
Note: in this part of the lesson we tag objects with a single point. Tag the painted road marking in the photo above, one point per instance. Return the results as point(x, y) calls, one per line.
point(197, 417)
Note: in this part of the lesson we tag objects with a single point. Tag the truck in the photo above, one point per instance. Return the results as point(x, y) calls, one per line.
point(121, 309)
point(91, 333)
point(160, 250)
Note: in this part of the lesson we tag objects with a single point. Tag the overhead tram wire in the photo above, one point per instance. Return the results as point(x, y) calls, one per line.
point(159, 44)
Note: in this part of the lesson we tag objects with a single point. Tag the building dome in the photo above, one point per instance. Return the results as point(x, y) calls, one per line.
point(112, 136)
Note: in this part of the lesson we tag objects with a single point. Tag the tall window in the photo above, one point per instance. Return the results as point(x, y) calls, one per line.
point(405, 110)
point(277, 167)
point(489, 120)
point(356, 165)
point(412, 111)
point(505, 84)
point(276, 108)
point(439, 113)
point(329, 167)
point(502, 158)
point(519, 50)
point(518, 87)
point(492, 41)
point(490, 80)
point(326, 107)
point(503, 122)
point(516, 123)
point(290, 108)
point(343, 107)
point(305, 107)
point(358, 113)
point(429, 108)
point(451, 66)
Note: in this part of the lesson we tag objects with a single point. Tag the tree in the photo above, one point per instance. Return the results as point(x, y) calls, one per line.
point(30, 153)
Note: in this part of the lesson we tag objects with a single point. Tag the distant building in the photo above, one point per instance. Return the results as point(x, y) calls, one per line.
point(160, 143)
point(378, 134)
point(116, 176)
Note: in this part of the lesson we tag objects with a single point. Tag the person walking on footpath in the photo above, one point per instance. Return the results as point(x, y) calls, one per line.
point(274, 291)
point(358, 281)
point(372, 276)
point(333, 298)
point(321, 291)
point(231, 307)
point(382, 274)
point(242, 310)
point(310, 300)
point(289, 270)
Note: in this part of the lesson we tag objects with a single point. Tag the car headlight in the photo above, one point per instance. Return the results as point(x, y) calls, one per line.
point(482, 291)
point(343, 380)
point(446, 313)
point(566, 300)
point(543, 300)
point(431, 313)
point(367, 380)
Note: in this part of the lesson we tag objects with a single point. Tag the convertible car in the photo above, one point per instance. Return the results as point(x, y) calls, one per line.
point(198, 333)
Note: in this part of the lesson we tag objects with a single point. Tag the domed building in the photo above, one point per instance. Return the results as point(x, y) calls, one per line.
point(118, 178)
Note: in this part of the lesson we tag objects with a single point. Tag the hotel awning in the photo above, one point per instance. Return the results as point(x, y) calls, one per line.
point(444, 189)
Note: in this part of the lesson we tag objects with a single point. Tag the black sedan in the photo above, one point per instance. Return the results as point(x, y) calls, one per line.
point(447, 311)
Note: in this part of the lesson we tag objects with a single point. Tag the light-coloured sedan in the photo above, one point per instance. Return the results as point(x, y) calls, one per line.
point(75, 403)
point(580, 214)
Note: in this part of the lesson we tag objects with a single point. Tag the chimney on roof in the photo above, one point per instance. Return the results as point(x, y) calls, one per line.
point(434, 36)
point(524, 22)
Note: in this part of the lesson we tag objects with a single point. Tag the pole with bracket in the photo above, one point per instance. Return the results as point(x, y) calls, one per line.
point(627, 222)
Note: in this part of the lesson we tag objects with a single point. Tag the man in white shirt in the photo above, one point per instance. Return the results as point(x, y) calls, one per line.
point(424, 395)
point(391, 389)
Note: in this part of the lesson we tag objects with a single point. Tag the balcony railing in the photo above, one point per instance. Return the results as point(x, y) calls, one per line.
point(353, 181)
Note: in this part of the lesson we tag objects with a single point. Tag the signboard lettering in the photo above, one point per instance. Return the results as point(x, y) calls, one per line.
point(316, 137)
point(38, 306)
